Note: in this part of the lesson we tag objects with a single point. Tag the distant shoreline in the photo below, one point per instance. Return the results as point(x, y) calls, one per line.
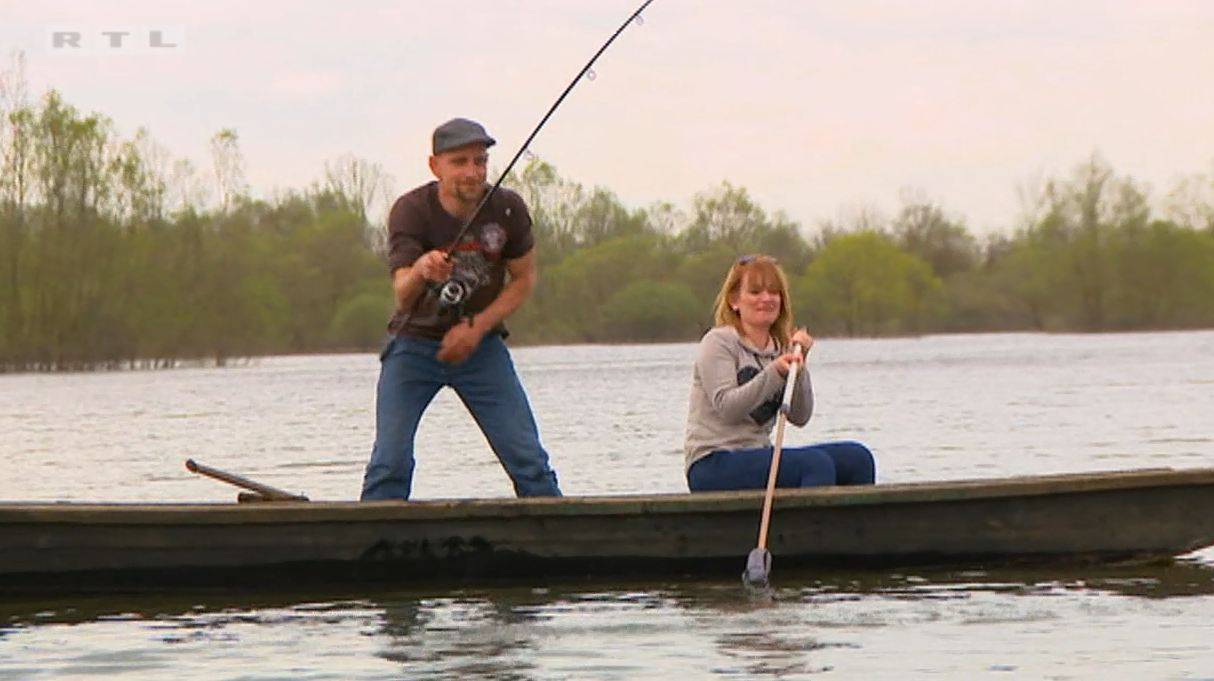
point(211, 363)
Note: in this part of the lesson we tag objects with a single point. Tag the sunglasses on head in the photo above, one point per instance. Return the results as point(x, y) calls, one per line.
point(755, 257)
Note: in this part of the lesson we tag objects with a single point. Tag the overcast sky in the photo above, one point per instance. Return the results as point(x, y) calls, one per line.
point(815, 107)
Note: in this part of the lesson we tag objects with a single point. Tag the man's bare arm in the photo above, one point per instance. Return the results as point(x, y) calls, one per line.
point(409, 282)
point(523, 276)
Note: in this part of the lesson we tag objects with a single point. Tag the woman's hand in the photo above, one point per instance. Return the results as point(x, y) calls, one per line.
point(801, 337)
point(784, 362)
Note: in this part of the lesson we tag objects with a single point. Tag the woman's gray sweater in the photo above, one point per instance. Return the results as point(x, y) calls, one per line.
point(719, 414)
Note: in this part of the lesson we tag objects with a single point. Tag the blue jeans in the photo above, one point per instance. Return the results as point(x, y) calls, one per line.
point(830, 463)
point(410, 375)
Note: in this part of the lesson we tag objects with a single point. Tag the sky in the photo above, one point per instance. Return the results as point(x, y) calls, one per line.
point(819, 109)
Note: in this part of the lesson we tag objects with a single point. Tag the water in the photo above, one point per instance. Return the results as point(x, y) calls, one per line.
point(939, 407)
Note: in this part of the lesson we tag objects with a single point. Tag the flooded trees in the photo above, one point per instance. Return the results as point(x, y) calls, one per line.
point(114, 254)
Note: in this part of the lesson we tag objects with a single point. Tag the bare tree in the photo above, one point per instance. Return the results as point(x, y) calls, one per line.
point(362, 184)
point(1191, 202)
point(862, 216)
point(187, 191)
point(228, 165)
point(923, 228)
point(1032, 194)
point(141, 169)
point(365, 188)
point(554, 203)
point(666, 218)
point(15, 121)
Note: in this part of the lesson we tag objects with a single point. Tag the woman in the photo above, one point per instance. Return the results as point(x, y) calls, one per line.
point(738, 382)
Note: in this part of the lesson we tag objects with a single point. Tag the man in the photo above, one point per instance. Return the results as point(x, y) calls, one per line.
point(456, 341)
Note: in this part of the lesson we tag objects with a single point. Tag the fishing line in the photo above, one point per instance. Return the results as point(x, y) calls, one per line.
point(589, 73)
point(453, 293)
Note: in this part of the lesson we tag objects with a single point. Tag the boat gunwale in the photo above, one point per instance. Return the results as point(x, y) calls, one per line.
point(138, 513)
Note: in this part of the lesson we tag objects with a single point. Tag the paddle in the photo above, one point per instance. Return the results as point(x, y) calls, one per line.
point(758, 563)
point(261, 492)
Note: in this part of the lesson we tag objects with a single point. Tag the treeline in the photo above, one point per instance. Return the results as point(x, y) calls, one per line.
point(113, 255)
point(1090, 256)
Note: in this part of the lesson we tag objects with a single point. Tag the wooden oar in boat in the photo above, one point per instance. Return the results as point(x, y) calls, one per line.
point(260, 492)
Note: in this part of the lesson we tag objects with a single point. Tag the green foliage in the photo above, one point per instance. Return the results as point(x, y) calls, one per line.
point(652, 310)
point(102, 268)
point(1094, 260)
point(703, 272)
point(728, 217)
point(863, 284)
point(358, 324)
point(923, 230)
point(576, 289)
point(112, 255)
point(1165, 277)
point(1026, 272)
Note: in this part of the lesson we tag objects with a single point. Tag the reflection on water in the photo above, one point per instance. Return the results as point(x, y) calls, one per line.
point(932, 408)
point(818, 622)
point(513, 603)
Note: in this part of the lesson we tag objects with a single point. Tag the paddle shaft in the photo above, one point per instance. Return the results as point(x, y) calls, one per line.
point(266, 491)
point(781, 419)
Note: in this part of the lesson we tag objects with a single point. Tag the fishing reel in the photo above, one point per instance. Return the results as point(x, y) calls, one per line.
point(453, 293)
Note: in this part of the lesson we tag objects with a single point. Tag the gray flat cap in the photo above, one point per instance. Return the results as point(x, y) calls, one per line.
point(458, 132)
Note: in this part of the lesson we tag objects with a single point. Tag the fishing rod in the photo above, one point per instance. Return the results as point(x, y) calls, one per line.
point(489, 194)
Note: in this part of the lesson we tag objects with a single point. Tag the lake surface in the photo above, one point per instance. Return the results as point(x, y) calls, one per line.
point(937, 407)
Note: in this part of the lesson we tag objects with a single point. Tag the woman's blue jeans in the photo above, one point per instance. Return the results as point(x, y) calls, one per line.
point(410, 375)
point(830, 463)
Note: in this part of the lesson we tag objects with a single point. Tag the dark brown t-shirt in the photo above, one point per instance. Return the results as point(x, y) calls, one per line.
point(418, 224)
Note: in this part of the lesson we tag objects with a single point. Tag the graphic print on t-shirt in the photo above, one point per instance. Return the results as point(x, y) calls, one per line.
point(766, 411)
point(475, 253)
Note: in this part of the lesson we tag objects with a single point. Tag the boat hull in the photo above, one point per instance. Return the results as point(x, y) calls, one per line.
point(1135, 515)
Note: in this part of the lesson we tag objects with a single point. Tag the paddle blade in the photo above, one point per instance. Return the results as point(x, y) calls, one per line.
point(758, 568)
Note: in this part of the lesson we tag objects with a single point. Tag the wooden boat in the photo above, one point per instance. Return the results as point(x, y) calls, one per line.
point(1115, 516)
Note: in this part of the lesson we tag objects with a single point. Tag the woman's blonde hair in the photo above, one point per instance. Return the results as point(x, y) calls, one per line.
point(763, 271)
